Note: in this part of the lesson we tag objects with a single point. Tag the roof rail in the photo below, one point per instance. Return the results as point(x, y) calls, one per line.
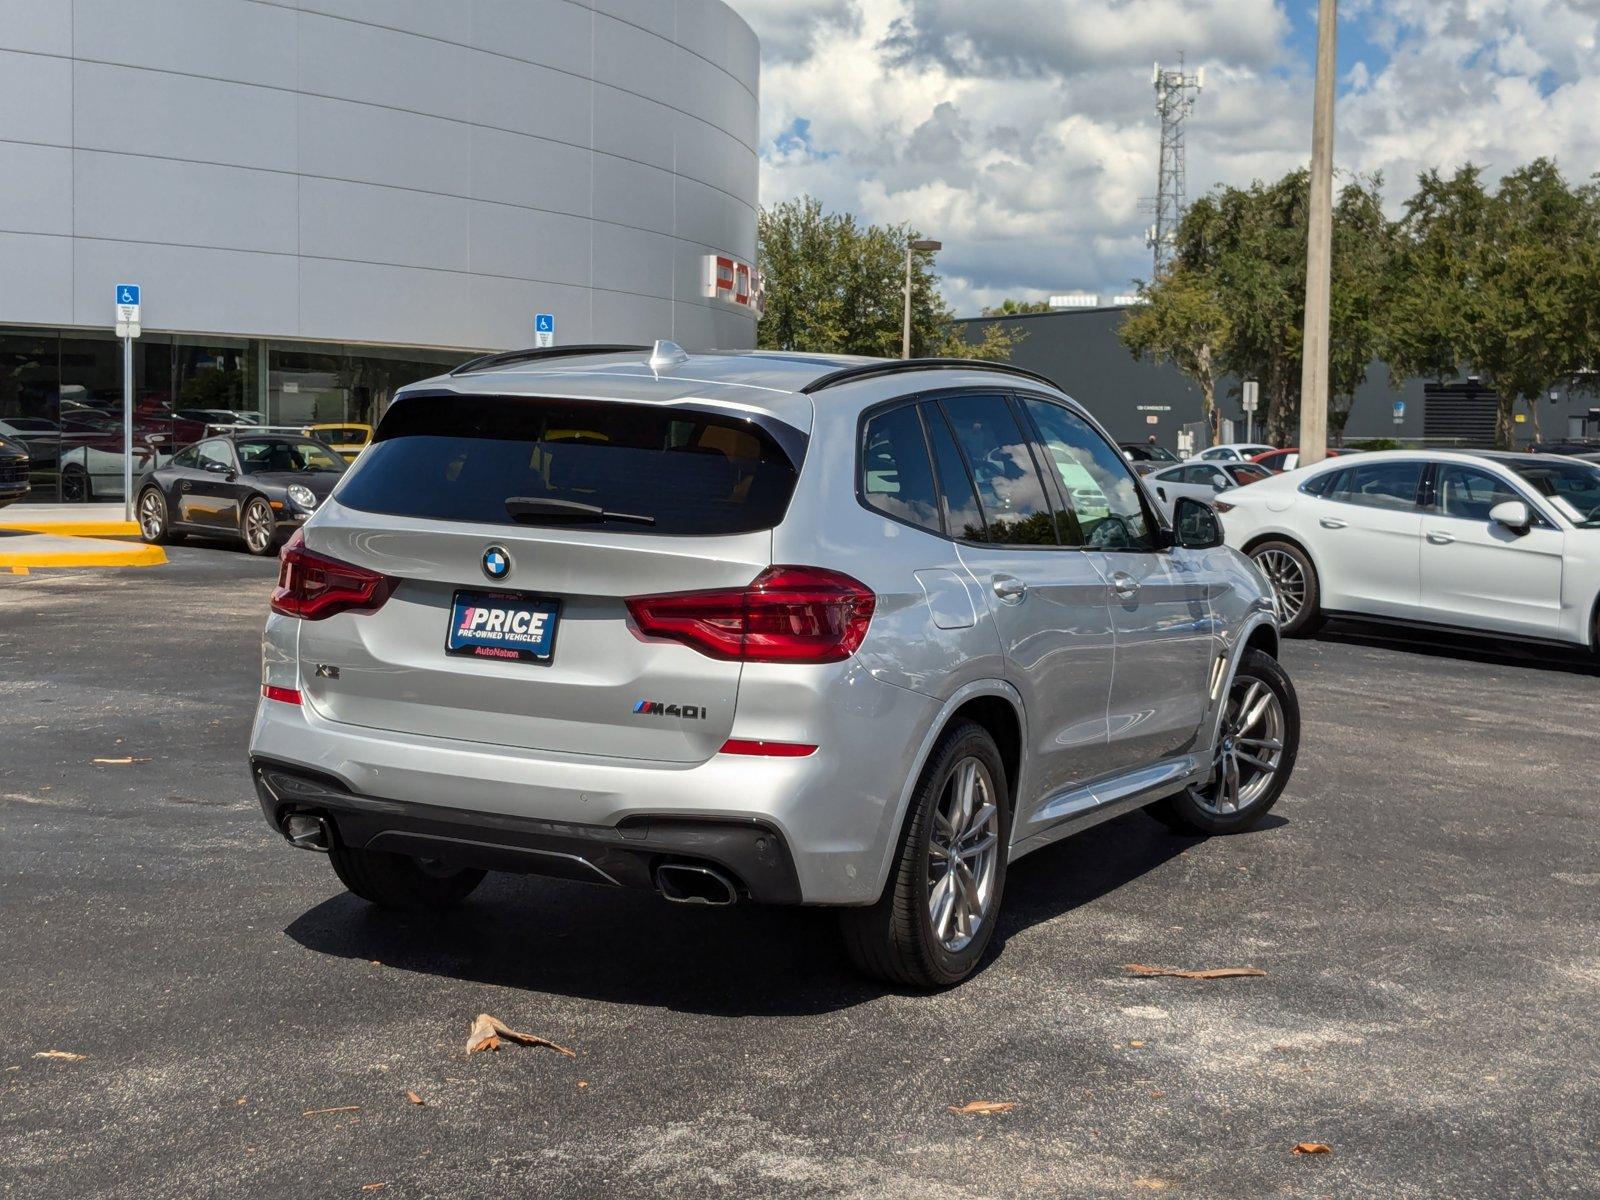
point(505, 358)
point(898, 365)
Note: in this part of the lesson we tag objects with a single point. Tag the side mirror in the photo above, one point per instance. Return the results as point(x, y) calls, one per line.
point(1513, 514)
point(1195, 525)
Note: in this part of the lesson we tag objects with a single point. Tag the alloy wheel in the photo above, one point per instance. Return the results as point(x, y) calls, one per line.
point(1249, 749)
point(963, 854)
point(257, 526)
point(152, 517)
point(1288, 581)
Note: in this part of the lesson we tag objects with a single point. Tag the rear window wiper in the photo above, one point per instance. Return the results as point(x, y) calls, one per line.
point(545, 508)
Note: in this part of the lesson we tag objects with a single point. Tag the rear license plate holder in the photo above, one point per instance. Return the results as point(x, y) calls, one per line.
point(503, 626)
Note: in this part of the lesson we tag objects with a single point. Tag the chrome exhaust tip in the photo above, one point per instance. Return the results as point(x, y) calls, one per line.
point(688, 883)
point(307, 831)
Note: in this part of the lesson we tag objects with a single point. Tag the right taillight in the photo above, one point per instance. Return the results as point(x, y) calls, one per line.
point(312, 586)
point(784, 615)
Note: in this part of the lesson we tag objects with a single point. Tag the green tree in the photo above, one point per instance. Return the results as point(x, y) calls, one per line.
point(1017, 308)
point(834, 285)
point(1246, 247)
point(1501, 283)
point(1181, 322)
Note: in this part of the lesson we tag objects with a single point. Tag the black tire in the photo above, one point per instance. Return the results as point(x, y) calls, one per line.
point(1307, 619)
point(257, 509)
point(894, 939)
point(76, 487)
point(399, 881)
point(1188, 811)
point(157, 530)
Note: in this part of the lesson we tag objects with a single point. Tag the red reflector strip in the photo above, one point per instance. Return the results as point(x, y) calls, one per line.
point(281, 695)
point(767, 749)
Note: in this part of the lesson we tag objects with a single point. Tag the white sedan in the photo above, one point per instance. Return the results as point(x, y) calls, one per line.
point(1201, 481)
point(1501, 543)
point(1234, 452)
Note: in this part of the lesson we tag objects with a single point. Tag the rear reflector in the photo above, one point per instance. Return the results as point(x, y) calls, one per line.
point(784, 615)
point(280, 694)
point(312, 586)
point(767, 749)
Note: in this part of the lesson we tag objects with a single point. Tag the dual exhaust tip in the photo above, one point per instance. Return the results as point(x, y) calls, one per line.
point(691, 883)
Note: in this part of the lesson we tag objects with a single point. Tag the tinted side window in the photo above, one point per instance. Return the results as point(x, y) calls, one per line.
point(1323, 484)
point(1469, 493)
point(1379, 485)
point(963, 517)
point(896, 477)
point(187, 458)
point(1002, 467)
point(212, 454)
point(1095, 478)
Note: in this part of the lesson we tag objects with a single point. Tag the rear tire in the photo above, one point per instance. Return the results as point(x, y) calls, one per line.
point(1241, 789)
point(401, 882)
point(1294, 586)
point(952, 849)
point(75, 485)
point(258, 527)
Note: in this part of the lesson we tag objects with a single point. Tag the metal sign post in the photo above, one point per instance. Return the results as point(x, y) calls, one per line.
point(128, 303)
point(1251, 396)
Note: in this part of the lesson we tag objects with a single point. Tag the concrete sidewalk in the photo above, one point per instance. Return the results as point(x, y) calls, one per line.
point(22, 552)
point(69, 520)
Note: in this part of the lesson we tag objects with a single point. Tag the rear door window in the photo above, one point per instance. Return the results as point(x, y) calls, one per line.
point(998, 456)
point(595, 464)
point(1390, 485)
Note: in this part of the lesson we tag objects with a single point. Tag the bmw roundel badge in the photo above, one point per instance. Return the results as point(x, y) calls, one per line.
point(496, 562)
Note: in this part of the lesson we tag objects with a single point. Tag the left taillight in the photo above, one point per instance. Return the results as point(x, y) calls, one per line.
point(786, 614)
point(312, 586)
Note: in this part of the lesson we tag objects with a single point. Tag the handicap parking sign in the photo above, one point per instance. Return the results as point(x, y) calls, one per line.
point(544, 329)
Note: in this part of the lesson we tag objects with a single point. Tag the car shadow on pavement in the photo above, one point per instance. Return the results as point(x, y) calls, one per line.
point(1467, 647)
point(631, 947)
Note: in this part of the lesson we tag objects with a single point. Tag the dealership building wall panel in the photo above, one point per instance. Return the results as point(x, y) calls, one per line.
point(397, 172)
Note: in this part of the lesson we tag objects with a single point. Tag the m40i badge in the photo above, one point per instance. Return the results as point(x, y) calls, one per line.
point(655, 708)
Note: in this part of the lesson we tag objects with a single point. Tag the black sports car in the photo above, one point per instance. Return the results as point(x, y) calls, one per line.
point(13, 470)
point(255, 486)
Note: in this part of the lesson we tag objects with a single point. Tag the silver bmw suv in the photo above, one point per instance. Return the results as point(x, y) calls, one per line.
point(786, 628)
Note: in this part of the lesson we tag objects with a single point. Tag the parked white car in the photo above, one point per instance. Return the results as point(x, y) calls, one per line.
point(1503, 543)
point(1233, 452)
point(1201, 481)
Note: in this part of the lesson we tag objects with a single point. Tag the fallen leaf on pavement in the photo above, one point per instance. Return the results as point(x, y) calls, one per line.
point(487, 1032)
point(317, 1112)
point(373, 1187)
point(1313, 1148)
point(118, 762)
point(1213, 973)
point(414, 1098)
point(986, 1107)
point(1151, 1185)
point(66, 1054)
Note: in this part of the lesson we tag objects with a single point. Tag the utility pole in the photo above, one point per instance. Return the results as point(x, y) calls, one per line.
point(912, 247)
point(1319, 247)
point(1175, 95)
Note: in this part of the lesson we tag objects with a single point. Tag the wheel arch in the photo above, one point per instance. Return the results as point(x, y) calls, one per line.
point(991, 703)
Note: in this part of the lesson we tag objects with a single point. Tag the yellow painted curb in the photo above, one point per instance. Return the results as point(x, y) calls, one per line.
point(93, 529)
point(20, 562)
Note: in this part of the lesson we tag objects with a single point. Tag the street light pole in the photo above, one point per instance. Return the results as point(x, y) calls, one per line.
point(1319, 246)
point(912, 247)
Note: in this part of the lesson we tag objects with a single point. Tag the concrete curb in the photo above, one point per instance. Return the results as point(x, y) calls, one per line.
point(43, 553)
point(88, 529)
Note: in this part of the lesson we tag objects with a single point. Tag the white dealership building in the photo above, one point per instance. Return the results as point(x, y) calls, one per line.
point(324, 199)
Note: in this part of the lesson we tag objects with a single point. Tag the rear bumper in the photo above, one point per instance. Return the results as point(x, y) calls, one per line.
point(753, 855)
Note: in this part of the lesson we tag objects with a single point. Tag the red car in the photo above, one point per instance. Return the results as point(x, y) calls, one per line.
point(1279, 461)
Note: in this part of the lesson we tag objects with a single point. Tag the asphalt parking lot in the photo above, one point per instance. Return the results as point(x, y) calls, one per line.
point(1425, 902)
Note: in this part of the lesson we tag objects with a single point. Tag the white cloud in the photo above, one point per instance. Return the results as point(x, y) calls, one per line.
point(1023, 134)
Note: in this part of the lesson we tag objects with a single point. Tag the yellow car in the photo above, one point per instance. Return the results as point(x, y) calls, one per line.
point(346, 438)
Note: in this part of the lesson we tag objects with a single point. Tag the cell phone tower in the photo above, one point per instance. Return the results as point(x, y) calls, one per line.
point(1176, 90)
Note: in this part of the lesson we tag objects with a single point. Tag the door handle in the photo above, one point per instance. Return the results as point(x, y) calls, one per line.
point(1124, 585)
point(1162, 492)
point(1332, 523)
point(1440, 539)
point(1010, 589)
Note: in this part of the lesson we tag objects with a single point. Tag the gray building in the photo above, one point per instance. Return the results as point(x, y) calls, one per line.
point(1079, 350)
point(325, 199)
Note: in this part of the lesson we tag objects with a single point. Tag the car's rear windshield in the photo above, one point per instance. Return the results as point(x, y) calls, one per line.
point(643, 468)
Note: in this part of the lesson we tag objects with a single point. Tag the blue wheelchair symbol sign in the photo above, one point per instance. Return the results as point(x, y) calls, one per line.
point(544, 323)
point(127, 293)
